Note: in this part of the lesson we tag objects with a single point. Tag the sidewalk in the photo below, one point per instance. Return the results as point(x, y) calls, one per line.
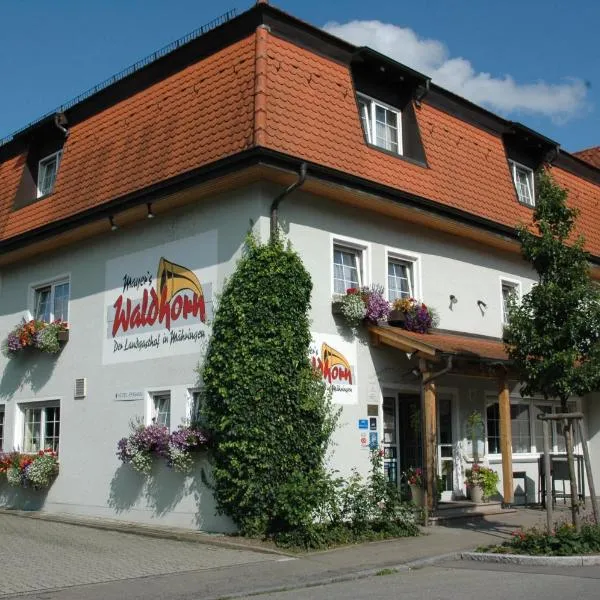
point(277, 572)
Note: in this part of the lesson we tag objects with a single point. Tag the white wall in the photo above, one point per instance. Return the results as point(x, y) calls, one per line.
point(91, 479)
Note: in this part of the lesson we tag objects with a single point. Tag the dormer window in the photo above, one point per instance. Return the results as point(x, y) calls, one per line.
point(47, 169)
point(381, 124)
point(524, 183)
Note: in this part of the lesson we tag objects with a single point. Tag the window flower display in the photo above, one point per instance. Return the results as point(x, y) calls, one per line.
point(30, 470)
point(42, 336)
point(414, 315)
point(146, 443)
point(363, 304)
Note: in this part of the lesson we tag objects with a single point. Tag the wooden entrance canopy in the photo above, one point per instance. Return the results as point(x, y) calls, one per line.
point(472, 356)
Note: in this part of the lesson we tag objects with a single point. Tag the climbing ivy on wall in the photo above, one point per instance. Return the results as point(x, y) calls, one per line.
point(268, 413)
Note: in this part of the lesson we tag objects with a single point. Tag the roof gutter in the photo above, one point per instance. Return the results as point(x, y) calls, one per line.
point(277, 201)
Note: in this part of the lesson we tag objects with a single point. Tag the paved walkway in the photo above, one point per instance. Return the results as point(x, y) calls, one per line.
point(75, 563)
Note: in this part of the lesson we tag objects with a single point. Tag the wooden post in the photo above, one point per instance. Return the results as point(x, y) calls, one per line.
point(588, 468)
point(547, 474)
point(505, 439)
point(430, 438)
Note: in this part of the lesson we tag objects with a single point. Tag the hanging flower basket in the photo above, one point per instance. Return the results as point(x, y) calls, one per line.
point(35, 471)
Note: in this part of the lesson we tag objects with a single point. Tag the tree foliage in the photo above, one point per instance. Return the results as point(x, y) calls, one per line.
point(552, 336)
point(267, 411)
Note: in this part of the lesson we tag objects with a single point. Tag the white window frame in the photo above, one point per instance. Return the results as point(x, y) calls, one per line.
point(534, 451)
point(369, 133)
point(191, 392)
point(55, 155)
point(43, 404)
point(363, 251)
point(514, 165)
point(151, 409)
point(34, 288)
point(516, 285)
point(414, 260)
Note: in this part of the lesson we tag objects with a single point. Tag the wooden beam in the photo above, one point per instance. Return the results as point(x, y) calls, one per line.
point(395, 338)
point(505, 438)
point(429, 404)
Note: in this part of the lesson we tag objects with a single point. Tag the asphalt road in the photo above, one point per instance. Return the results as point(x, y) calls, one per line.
point(462, 583)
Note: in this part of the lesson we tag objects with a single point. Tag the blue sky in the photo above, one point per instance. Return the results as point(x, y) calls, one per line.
point(533, 61)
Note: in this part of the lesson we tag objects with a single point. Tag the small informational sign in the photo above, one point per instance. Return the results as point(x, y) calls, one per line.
point(364, 440)
point(363, 424)
point(373, 423)
point(373, 440)
point(129, 396)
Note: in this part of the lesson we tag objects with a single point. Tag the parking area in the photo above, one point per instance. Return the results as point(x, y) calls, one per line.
point(40, 555)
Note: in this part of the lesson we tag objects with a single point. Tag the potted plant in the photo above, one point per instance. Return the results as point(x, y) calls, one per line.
point(414, 478)
point(481, 483)
point(413, 315)
point(362, 304)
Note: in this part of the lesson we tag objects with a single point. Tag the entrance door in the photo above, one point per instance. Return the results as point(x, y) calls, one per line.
point(401, 434)
point(445, 447)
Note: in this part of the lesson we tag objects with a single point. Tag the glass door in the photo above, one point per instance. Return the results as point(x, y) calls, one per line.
point(445, 448)
point(390, 439)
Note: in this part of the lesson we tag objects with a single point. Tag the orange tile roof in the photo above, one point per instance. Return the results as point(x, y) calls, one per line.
point(194, 117)
point(264, 91)
point(463, 345)
point(590, 155)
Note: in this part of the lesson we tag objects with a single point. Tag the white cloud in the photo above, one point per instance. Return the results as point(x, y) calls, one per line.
point(559, 101)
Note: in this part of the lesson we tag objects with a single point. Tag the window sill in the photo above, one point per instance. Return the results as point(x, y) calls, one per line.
point(530, 457)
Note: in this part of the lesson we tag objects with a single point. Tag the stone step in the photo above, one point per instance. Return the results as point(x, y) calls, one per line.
point(452, 511)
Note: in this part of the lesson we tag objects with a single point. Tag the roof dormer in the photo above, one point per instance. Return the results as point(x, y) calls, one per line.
point(386, 94)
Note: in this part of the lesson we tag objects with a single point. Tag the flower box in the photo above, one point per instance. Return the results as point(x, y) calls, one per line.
point(36, 335)
point(63, 336)
point(396, 317)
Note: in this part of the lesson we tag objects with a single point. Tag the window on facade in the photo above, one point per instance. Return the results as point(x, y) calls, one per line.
point(51, 302)
point(520, 425)
point(161, 409)
point(1, 427)
point(524, 183)
point(47, 169)
point(510, 291)
point(347, 269)
point(42, 428)
point(381, 124)
point(400, 279)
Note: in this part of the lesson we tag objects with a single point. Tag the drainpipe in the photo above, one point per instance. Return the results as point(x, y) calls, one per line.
point(277, 201)
point(60, 120)
point(424, 433)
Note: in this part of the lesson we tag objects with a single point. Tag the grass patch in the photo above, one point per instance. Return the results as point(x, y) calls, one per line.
point(386, 572)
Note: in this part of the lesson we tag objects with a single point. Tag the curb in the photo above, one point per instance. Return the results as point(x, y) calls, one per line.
point(179, 535)
point(534, 561)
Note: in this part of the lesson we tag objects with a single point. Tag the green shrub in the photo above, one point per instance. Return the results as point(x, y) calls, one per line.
point(563, 541)
point(267, 411)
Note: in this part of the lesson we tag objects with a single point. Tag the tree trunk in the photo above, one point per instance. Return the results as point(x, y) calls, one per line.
point(568, 431)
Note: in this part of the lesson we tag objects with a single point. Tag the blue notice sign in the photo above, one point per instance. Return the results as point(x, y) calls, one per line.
point(363, 424)
point(373, 440)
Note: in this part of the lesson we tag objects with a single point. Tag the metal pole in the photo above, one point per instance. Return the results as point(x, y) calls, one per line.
point(588, 469)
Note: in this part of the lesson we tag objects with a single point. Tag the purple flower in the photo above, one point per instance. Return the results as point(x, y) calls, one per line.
point(186, 438)
point(13, 343)
point(377, 307)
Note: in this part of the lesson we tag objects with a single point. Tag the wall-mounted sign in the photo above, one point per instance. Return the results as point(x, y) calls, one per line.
point(128, 396)
point(336, 360)
point(363, 424)
point(158, 301)
point(364, 440)
point(373, 423)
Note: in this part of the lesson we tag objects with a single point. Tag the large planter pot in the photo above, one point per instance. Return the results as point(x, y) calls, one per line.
point(476, 493)
point(63, 336)
point(336, 307)
point(417, 495)
point(397, 318)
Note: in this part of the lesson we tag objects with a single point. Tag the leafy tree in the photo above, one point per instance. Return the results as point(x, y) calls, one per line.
point(267, 411)
point(553, 335)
